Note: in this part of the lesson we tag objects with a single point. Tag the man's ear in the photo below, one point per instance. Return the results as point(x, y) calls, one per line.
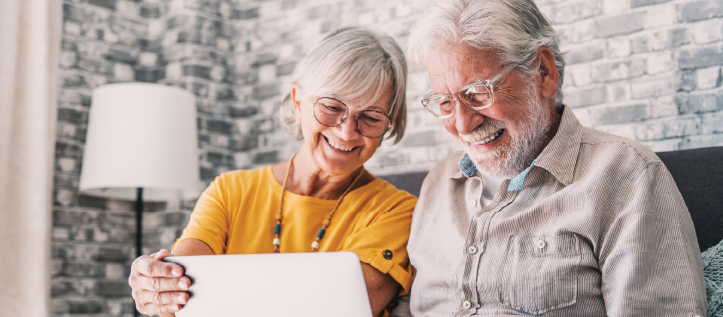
point(548, 73)
point(296, 103)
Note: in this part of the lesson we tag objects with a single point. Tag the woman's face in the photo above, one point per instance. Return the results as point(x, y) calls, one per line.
point(341, 149)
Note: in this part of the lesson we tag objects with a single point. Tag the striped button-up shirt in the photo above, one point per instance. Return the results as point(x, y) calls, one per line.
point(595, 227)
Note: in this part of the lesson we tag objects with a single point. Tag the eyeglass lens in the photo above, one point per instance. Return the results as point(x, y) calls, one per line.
point(476, 97)
point(331, 112)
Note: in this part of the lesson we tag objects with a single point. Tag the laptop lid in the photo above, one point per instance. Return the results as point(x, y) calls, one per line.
point(288, 284)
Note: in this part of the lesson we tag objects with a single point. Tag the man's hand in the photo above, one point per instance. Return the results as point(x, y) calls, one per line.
point(158, 287)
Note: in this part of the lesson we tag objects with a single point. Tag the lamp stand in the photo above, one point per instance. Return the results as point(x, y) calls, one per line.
point(139, 228)
point(139, 221)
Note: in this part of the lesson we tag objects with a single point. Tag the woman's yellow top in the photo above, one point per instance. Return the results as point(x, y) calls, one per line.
point(236, 214)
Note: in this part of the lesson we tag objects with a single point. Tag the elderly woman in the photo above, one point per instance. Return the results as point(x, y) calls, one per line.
point(346, 95)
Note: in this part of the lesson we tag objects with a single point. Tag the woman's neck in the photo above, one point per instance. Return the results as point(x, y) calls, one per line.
point(307, 179)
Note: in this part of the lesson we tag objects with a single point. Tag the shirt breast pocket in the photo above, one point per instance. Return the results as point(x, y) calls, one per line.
point(540, 273)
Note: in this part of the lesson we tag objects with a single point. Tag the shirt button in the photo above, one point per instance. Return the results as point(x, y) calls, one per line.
point(474, 203)
point(472, 249)
point(467, 304)
point(541, 244)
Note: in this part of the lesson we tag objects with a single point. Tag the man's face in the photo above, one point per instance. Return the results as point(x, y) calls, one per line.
point(506, 137)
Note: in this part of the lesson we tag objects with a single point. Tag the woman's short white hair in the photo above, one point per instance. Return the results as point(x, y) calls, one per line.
point(516, 28)
point(352, 63)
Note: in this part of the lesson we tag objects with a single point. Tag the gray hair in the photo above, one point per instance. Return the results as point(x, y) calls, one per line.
point(516, 28)
point(352, 63)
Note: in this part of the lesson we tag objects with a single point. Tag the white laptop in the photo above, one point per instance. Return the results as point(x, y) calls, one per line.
point(286, 284)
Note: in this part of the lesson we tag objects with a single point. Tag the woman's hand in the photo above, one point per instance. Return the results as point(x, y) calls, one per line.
point(158, 287)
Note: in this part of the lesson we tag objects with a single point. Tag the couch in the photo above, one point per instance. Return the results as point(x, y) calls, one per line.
point(698, 174)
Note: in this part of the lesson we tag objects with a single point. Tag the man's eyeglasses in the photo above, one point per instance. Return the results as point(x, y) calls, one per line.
point(477, 95)
point(331, 112)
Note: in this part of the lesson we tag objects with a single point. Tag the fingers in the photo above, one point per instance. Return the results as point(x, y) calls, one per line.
point(152, 266)
point(159, 284)
point(161, 254)
point(152, 303)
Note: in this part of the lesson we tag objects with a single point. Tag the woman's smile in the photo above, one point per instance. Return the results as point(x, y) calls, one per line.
point(339, 147)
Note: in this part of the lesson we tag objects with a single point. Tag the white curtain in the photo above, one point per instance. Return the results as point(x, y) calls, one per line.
point(29, 47)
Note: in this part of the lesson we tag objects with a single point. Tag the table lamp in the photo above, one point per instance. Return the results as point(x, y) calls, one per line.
point(141, 144)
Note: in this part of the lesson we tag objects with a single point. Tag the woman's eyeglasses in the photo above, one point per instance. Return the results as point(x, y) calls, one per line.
point(331, 112)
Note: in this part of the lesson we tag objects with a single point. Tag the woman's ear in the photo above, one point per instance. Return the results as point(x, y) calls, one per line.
point(296, 103)
point(548, 72)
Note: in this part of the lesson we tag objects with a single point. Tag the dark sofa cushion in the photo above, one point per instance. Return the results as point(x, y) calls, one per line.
point(698, 174)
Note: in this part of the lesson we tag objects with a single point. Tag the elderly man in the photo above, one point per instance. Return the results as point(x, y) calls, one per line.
point(538, 215)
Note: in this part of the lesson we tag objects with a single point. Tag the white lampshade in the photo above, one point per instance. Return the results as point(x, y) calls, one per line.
point(141, 135)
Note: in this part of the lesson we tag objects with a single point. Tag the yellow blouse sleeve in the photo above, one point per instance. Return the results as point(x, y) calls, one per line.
point(210, 218)
point(382, 243)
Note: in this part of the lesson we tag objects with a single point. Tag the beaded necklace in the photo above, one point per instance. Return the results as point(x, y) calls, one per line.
point(325, 224)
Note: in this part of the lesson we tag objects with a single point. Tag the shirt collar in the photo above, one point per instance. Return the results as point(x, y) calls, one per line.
point(560, 156)
point(467, 167)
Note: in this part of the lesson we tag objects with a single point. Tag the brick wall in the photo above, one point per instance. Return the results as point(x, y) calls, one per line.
point(648, 70)
point(645, 69)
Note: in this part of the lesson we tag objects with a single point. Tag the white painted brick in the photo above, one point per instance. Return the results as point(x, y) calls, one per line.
point(174, 71)
point(110, 36)
point(701, 141)
point(169, 38)
point(267, 73)
point(218, 72)
point(148, 59)
point(618, 47)
point(156, 27)
point(225, 9)
point(663, 107)
point(366, 18)
point(651, 87)
point(60, 233)
point(66, 164)
point(570, 11)
point(712, 122)
point(404, 10)
point(618, 91)
point(623, 130)
point(667, 128)
point(115, 271)
point(708, 77)
point(67, 59)
point(123, 72)
point(581, 74)
point(223, 44)
point(708, 31)
point(64, 197)
point(583, 30)
point(659, 62)
point(219, 140)
point(615, 6)
point(128, 8)
point(663, 145)
point(71, 28)
point(585, 116)
point(661, 15)
point(269, 8)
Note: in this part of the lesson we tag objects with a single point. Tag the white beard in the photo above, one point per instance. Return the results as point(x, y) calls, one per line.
point(510, 159)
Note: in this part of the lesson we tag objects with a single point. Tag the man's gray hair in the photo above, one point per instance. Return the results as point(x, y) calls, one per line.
point(516, 28)
point(352, 63)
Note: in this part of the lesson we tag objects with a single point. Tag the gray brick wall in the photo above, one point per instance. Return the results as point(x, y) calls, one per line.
point(648, 70)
